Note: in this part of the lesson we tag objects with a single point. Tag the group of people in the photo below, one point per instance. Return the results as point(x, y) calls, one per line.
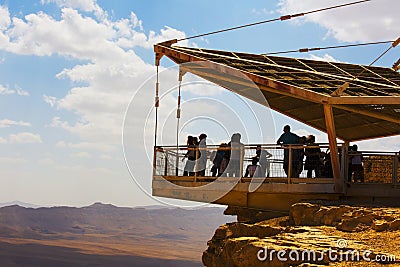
point(196, 156)
point(226, 160)
point(305, 155)
point(315, 160)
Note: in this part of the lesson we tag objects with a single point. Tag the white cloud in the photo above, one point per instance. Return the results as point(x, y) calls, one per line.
point(136, 22)
point(6, 90)
point(12, 160)
point(82, 155)
point(86, 146)
point(106, 157)
point(78, 36)
point(8, 123)
point(365, 22)
point(5, 20)
point(381, 144)
point(113, 70)
point(262, 11)
point(325, 57)
point(84, 5)
point(51, 100)
point(22, 92)
point(61, 144)
point(24, 138)
point(46, 161)
point(3, 140)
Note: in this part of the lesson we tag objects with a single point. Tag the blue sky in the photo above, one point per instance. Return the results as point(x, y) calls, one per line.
point(69, 68)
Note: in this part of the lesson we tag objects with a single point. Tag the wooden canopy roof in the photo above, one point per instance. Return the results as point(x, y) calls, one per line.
point(368, 108)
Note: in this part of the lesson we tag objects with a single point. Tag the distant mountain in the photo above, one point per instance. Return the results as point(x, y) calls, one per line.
point(106, 218)
point(19, 203)
point(103, 229)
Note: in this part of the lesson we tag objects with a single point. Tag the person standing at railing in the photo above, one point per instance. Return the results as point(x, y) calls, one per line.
point(264, 167)
point(313, 157)
point(356, 169)
point(217, 169)
point(300, 156)
point(202, 160)
point(191, 156)
point(288, 138)
point(236, 155)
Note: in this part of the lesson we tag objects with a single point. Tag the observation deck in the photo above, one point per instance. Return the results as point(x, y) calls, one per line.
point(348, 102)
point(276, 190)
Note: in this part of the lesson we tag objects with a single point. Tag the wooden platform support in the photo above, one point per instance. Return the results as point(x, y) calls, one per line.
point(330, 126)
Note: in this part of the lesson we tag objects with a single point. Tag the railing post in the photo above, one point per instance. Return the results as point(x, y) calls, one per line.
point(290, 164)
point(395, 169)
point(241, 161)
point(344, 166)
point(166, 164)
point(196, 164)
point(177, 162)
point(154, 161)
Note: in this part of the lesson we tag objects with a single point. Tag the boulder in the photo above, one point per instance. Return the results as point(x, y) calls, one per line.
point(394, 225)
point(380, 225)
point(304, 214)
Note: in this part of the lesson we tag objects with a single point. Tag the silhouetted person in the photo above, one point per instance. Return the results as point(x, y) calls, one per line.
point(288, 138)
point(191, 157)
point(217, 160)
point(313, 155)
point(202, 160)
point(357, 168)
point(236, 155)
point(263, 156)
point(300, 156)
point(252, 168)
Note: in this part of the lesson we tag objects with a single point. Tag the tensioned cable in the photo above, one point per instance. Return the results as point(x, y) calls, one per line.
point(285, 17)
point(393, 45)
point(306, 50)
point(344, 86)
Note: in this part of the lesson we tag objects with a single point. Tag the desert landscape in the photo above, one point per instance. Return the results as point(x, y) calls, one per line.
point(106, 235)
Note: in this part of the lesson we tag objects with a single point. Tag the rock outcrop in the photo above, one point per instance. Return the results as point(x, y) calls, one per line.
point(345, 218)
point(311, 234)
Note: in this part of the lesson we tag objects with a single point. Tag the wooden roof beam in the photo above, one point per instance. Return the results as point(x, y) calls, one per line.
point(368, 113)
point(364, 100)
point(267, 84)
point(279, 87)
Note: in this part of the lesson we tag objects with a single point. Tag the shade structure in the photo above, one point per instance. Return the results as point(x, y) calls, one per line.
point(369, 107)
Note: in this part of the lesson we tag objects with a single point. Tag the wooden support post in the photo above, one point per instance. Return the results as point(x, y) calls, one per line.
point(395, 169)
point(330, 126)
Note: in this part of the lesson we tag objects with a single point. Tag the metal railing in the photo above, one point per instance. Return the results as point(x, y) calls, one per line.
point(275, 161)
point(272, 161)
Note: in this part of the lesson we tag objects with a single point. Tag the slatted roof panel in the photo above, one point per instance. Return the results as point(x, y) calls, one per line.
point(318, 76)
point(353, 122)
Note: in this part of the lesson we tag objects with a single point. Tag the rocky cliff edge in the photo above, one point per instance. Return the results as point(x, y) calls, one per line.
point(312, 235)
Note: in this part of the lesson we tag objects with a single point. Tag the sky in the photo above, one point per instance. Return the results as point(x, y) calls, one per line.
point(77, 85)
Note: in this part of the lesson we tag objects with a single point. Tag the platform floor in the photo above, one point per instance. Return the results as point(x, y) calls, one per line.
point(266, 194)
